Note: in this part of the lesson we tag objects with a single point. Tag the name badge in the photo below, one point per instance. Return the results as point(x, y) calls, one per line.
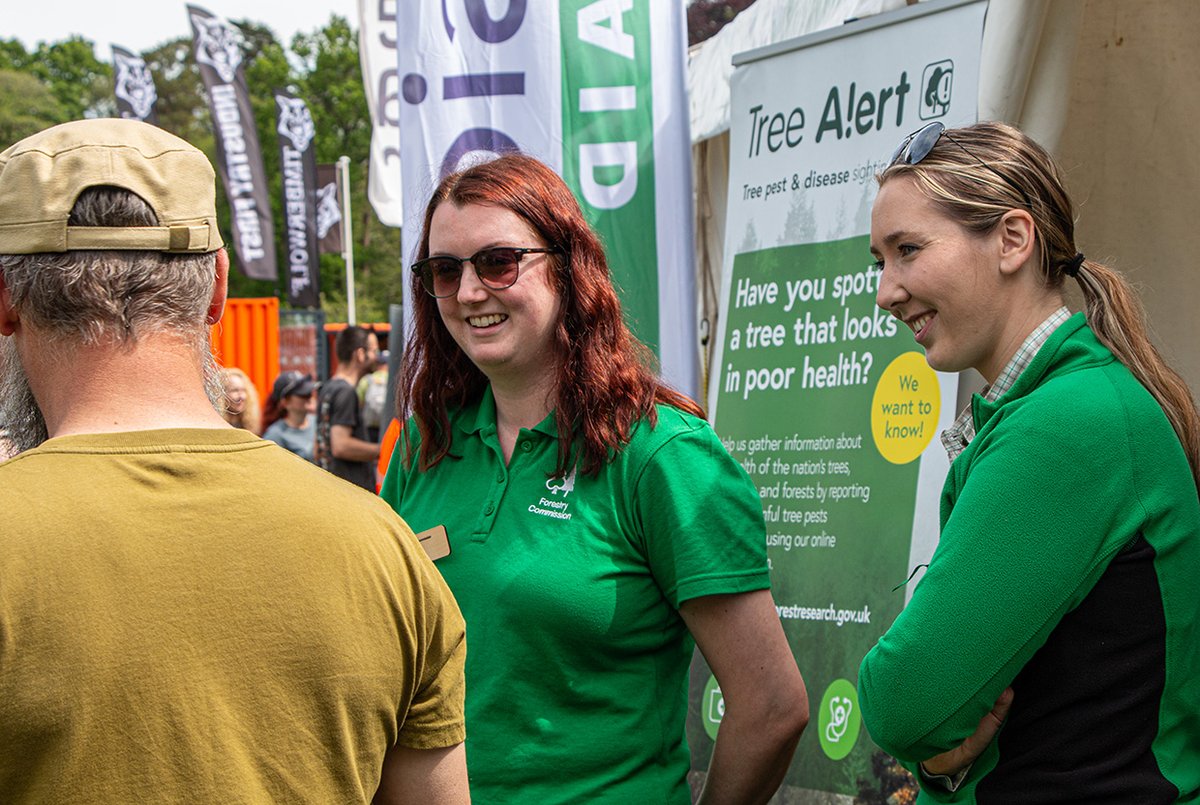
point(435, 541)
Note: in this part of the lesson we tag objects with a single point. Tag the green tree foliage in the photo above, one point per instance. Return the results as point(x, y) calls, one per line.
point(63, 81)
point(28, 106)
point(332, 73)
point(82, 83)
point(182, 107)
point(13, 55)
point(28, 102)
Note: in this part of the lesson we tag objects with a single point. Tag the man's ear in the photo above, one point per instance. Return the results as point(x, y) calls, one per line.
point(8, 314)
point(216, 306)
point(1018, 240)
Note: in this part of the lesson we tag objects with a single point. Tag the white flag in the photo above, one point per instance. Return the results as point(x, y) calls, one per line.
point(377, 52)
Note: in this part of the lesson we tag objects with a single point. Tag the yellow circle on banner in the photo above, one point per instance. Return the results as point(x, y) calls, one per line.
point(904, 410)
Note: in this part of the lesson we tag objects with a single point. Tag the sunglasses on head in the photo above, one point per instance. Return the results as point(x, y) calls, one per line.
point(497, 268)
point(916, 146)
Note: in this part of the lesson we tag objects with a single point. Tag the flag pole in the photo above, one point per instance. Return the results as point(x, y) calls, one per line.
point(343, 167)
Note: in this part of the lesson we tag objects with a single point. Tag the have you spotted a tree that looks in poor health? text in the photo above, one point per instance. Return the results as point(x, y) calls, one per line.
point(866, 321)
point(798, 483)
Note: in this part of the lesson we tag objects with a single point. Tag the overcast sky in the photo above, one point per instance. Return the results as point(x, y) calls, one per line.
point(140, 25)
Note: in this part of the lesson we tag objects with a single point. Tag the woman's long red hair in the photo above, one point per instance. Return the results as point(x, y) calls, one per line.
point(604, 382)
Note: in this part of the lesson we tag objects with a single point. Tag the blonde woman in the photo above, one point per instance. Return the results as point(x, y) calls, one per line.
point(241, 408)
point(1062, 598)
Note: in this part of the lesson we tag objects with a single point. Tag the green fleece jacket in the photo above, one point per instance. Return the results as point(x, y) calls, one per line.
point(1074, 466)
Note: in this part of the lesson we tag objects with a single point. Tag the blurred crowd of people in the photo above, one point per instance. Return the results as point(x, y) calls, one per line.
point(337, 424)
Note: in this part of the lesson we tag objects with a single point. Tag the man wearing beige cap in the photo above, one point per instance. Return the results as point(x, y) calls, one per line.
point(187, 613)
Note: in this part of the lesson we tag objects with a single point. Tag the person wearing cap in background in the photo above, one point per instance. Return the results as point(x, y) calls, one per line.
point(288, 422)
point(189, 614)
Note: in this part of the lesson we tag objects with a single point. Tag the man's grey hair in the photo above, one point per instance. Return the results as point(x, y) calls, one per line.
point(101, 296)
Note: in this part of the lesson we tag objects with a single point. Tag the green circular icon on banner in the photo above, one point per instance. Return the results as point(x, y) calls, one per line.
point(712, 707)
point(839, 721)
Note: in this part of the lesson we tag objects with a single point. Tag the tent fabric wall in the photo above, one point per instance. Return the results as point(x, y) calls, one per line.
point(1106, 85)
point(1131, 150)
point(710, 170)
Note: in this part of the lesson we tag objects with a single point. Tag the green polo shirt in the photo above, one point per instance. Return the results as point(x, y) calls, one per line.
point(578, 660)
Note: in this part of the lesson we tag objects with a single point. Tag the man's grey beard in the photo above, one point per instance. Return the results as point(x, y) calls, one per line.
point(214, 387)
point(22, 425)
point(20, 417)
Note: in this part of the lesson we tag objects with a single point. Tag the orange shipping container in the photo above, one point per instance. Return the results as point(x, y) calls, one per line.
point(248, 337)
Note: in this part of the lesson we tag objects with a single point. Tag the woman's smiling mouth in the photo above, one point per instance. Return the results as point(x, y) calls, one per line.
point(486, 321)
point(919, 323)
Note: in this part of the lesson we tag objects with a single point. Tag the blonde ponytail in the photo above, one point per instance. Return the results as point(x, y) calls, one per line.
point(1115, 315)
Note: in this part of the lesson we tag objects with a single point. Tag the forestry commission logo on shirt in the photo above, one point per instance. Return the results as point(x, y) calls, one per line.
point(553, 506)
point(564, 485)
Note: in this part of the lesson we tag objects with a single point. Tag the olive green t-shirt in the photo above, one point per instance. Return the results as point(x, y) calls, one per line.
point(200, 616)
point(570, 586)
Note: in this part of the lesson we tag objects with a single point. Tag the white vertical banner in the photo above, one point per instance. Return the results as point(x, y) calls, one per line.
point(594, 89)
point(825, 399)
point(678, 342)
point(377, 53)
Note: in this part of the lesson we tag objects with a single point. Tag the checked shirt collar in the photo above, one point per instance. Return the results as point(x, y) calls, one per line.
point(956, 438)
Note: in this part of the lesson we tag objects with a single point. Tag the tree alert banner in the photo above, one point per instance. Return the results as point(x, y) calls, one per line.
point(824, 398)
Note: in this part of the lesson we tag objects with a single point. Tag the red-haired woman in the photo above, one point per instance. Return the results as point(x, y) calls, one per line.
point(596, 524)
